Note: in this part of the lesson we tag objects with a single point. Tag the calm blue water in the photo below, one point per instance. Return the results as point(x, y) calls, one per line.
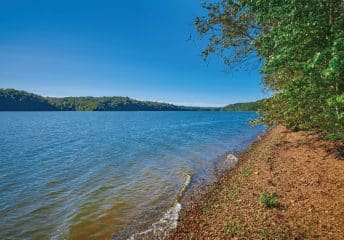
point(84, 175)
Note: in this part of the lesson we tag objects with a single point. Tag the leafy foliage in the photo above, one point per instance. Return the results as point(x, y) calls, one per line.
point(269, 200)
point(249, 106)
point(301, 45)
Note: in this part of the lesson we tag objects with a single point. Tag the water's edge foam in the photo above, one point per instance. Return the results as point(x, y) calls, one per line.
point(162, 228)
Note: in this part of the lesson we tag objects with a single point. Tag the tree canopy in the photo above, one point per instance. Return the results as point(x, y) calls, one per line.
point(248, 106)
point(301, 46)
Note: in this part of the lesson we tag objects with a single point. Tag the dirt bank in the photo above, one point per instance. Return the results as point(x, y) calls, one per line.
point(303, 181)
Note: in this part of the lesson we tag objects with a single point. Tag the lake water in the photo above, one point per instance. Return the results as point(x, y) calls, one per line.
point(91, 175)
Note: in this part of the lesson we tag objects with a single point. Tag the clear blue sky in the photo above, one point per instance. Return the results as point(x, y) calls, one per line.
point(131, 48)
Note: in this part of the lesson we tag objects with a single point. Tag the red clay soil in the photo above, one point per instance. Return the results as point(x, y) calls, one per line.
point(302, 171)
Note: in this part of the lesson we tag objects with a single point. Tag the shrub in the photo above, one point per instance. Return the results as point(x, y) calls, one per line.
point(269, 200)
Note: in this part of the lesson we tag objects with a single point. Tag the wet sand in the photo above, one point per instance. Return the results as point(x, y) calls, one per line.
point(303, 172)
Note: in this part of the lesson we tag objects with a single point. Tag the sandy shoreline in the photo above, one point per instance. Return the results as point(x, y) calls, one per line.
point(194, 187)
point(300, 170)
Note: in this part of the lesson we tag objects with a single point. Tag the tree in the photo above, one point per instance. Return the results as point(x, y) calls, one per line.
point(301, 45)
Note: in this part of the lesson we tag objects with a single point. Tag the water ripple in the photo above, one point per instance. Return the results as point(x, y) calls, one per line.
point(84, 175)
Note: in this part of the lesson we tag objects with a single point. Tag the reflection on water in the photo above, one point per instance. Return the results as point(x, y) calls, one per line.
point(89, 175)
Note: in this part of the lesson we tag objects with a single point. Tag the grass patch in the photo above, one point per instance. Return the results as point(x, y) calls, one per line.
point(215, 189)
point(253, 149)
point(233, 192)
point(205, 209)
point(269, 200)
point(232, 195)
point(246, 172)
point(234, 228)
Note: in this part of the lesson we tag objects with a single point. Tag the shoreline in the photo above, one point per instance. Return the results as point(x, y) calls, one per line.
point(191, 189)
point(194, 187)
point(302, 173)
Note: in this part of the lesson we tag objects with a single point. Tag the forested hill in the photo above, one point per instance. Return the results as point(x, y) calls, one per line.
point(248, 106)
point(15, 100)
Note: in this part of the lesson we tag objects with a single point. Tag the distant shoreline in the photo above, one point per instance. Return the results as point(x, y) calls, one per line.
point(16, 100)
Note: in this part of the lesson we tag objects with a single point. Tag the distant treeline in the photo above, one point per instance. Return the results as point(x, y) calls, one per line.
point(15, 100)
point(248, 106)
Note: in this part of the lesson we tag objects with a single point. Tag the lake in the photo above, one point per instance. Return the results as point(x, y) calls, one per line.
point(91, 175)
